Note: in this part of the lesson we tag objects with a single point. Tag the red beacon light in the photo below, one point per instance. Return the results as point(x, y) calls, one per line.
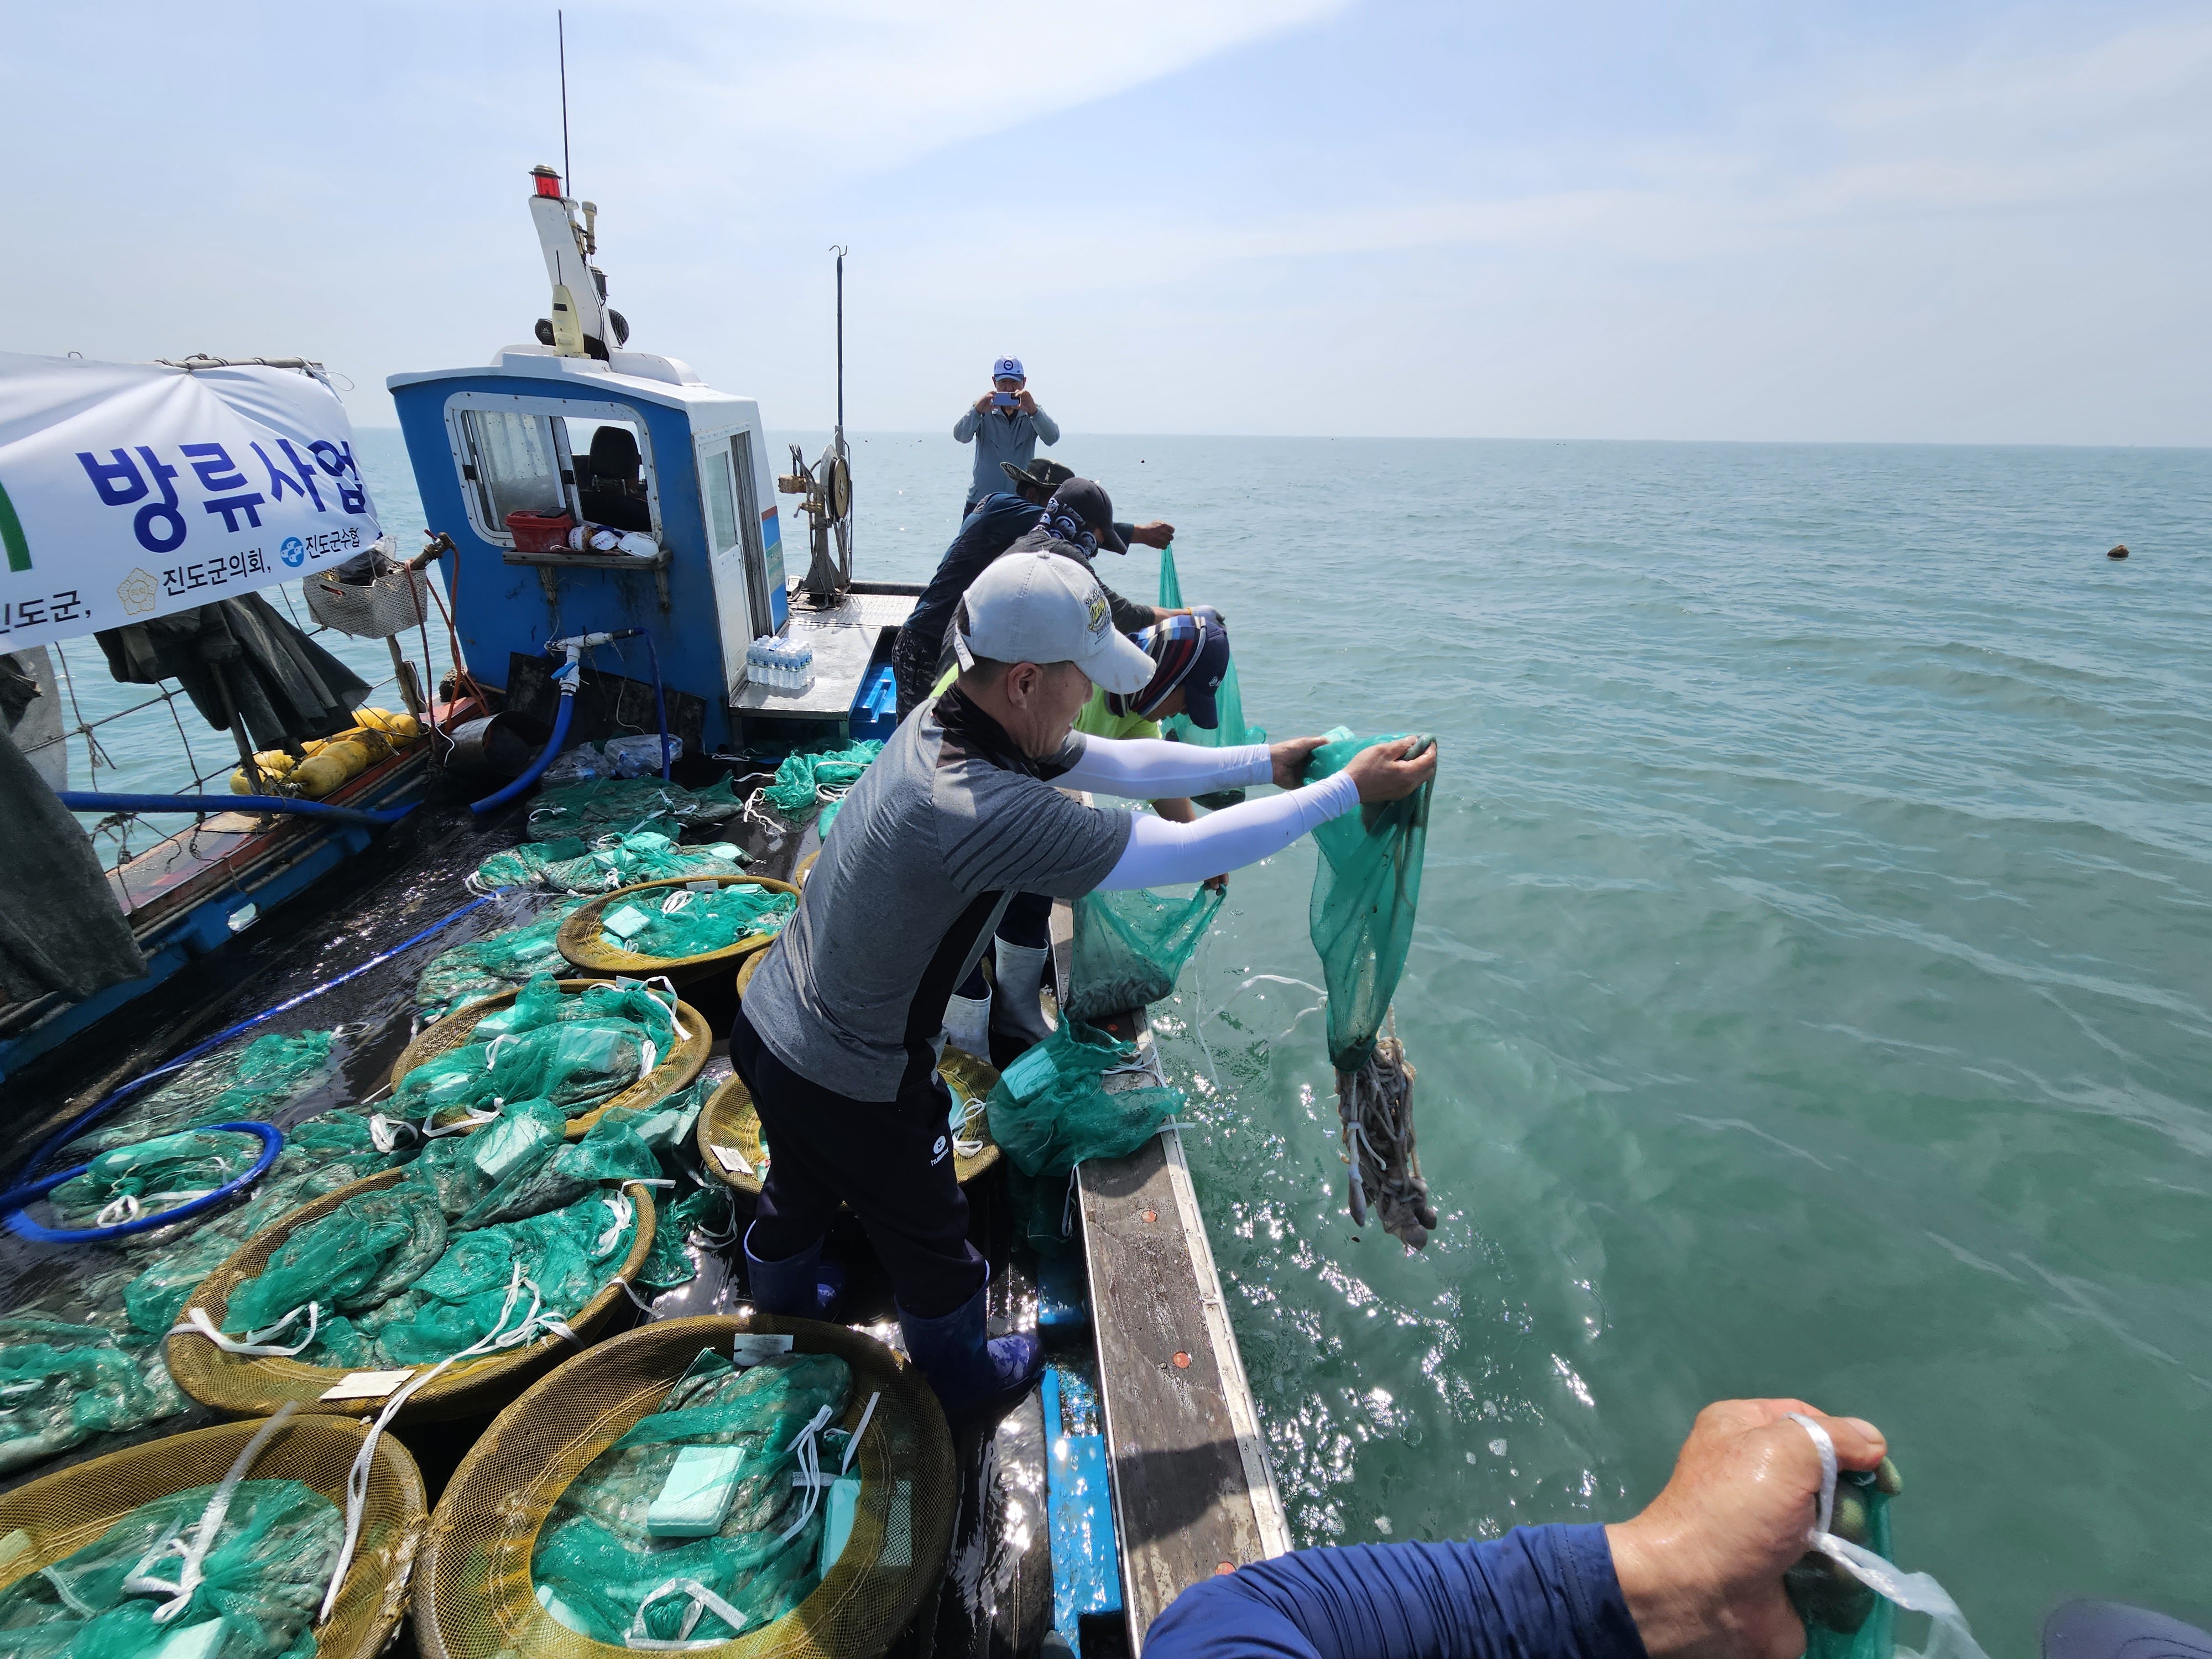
point(548, 182)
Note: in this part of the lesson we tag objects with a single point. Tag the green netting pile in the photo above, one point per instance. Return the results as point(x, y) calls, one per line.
point(263, 1578)
point(806, 780)
point(679, 922)
point(497, 962)
point(1365, 894)
point(1131, 947)
point(1051, 1110)
point(1229, 729)
point(61, 1384)
point(576, 1051)
point(571, 865)
point(597, 806)
point(600, 1569)
point(228, 1086)
point(419, 1271)
point(148, 1177)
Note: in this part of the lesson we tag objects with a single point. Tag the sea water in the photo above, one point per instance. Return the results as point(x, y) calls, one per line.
point(1813, 992)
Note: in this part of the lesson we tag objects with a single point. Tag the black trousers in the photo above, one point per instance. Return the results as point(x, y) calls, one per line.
point(891, 1161)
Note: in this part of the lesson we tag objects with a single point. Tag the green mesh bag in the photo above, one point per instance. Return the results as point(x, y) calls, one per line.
point(1131, 947)
point(683, 923)
point(570, 865)
point(148, 1177)
point(609, 1152)
point(498, 962)
point(709, 1209)
point(576, 1063)
point(357, 1257)
point(60, 1384)
point(804, 779)
point(263, 1578)
point(597, 806)
point(1844, 1619)
point(1230, 730)
point(230, 1085)
point(600, 1571)
point(1051, 1110)
point(1365, 894)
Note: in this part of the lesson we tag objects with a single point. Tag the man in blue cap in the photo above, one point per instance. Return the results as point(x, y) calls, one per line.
point(1004, 424)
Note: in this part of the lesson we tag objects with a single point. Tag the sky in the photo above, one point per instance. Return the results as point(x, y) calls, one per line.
point(1945, 221)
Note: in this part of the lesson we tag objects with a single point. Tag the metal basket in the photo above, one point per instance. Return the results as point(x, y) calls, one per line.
point(395, 602)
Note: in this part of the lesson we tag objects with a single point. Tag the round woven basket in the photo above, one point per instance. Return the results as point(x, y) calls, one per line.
point(64, 1512)
point(805, 867)
point(234, 1382)
point(746, 971)
point(677, 1068)
point(479, 1599)
point(728, 1121)
point(580, 942)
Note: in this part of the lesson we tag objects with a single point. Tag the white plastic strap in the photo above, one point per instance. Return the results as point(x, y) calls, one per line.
point(255, 1344)
point(703, 1601)
point(808, 1451)
point(181, 1590)
point(496, 1045)
point(1916, 1592)
point(121, 1208)
point(648, 1057)
point(853, 1444)
point(460, 1127)
point(623, 1211)
point(389, 1134)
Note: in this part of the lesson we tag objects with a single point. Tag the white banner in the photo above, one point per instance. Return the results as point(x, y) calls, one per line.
point(130, 490)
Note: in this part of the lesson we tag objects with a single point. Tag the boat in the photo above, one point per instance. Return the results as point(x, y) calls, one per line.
point(606, 526)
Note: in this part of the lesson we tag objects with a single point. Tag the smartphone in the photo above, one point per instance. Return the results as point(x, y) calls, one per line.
point(1003, 400)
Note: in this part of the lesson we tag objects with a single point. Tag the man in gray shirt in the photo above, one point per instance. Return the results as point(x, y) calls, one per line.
point(1004, 424)
point(838, 1040)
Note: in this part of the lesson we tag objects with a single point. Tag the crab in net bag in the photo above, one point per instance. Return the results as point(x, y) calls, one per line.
point(684, 923)
point(150, 1583)
point(709, 1518)
point(1131, 947)
point(496, 963)
point(1365, 894)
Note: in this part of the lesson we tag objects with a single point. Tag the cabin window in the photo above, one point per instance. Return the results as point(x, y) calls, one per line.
point(516, 465)
point(613, 474)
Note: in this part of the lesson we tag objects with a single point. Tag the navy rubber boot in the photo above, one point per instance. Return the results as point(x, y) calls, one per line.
point(971, 1372)
point(801, 1286)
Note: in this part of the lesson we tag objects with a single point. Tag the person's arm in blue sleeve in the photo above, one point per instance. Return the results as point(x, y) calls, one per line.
point(1698, 1575)
point(1047, 428)
point(965, 427)
point(1537, 1592)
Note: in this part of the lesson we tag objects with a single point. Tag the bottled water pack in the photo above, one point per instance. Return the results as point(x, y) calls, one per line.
point(780, 664)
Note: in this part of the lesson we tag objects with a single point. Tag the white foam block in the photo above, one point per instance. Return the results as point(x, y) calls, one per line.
point(199, 1641)
point(697, 1497)
point(753, 1347)
point(844, 1502)
point(366, 1385)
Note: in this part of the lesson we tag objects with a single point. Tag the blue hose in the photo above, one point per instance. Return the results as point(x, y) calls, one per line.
point(86, 1119)
point(83, 800)
point(492, 803)
point(20, 1222)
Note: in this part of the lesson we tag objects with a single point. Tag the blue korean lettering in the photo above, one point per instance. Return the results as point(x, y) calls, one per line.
point(117, 483)
point(280, 480)
point(147, 517)
point(212, 465)
point(231, 506)
point(337, 461)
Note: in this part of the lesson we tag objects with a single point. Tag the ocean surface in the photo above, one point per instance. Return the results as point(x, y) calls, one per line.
point(1813, 992)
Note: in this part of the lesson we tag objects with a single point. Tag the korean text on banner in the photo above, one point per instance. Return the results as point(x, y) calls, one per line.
point(130, 490)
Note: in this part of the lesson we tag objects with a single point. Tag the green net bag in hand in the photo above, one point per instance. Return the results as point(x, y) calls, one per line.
point(1364, 895)
point(1229, 730)
point(148, 1177)
point(1131, 947)
point(609, 1567)
point(805, 781)
point(1051, 1110)
point(683, 923)
point(262, 1577)
point(498, 962)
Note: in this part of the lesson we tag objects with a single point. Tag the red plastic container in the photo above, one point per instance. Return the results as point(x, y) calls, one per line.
point(540, 533)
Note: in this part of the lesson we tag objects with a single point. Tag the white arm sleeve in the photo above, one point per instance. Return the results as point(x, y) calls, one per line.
point(1147, 768)
point(1163, 854)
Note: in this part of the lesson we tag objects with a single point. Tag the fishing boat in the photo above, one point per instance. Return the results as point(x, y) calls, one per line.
point(605, 531)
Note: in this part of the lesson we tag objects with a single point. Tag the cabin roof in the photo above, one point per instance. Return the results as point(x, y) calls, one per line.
point(639, 375)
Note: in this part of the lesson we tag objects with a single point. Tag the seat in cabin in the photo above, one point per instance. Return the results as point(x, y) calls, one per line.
point(613, 493)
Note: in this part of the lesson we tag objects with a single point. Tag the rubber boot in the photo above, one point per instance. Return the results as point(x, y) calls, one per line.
point(801, 1286)
point(971, 1372)
point(968, 1024)
point(1018, 1010)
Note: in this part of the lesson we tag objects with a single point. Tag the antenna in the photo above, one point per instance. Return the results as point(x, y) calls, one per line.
point(840, 253)
point(561, 23)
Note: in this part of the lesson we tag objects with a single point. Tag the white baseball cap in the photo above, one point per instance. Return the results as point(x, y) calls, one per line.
point(1041, 608)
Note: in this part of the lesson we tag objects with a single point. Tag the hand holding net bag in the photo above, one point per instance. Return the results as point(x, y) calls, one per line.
point(1365, 894)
